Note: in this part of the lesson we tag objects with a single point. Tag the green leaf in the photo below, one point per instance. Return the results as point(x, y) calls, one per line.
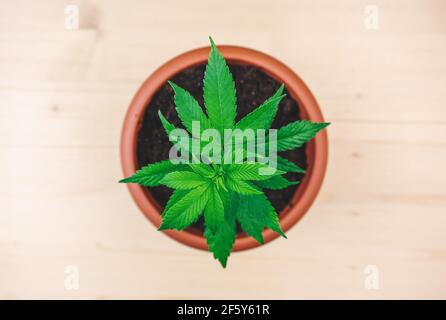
point(280, 164)
point(287, 166)
point(242, 187)
point(202, 169)
point(276, 183)
point(214, 213)
point(221, 240)
point(262, 117)
point(255, 213)
point(295, 134)
point(188, 109)
point(175, 197)
point(249, 171)
point(186, 210)
point(151, 175)
point(184, 180)
point(219, 91)
point(168, 127)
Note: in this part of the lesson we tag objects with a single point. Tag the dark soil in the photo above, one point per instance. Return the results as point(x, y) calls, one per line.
point(253, 87)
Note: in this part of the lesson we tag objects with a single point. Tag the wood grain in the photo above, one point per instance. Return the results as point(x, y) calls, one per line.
point(63, 96)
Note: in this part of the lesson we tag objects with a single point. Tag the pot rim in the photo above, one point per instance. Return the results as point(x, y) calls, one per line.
point(316, 149)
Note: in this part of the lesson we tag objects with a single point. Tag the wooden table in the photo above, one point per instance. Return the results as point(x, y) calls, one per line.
point(63, 96)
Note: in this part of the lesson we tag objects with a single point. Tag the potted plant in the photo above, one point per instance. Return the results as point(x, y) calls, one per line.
point(225, 147)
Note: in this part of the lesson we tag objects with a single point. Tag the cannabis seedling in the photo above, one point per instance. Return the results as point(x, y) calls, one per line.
point(209, 181)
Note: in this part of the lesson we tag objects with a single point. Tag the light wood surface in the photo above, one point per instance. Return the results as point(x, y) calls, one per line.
point(63, 96)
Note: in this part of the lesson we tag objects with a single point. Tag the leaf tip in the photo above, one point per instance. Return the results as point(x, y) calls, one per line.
point(223, 262)
point(280, 232)
point(172, 84)
point(163, 119)
point(212, 42)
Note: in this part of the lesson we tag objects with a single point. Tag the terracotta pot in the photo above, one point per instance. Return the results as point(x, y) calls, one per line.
point(317, 149)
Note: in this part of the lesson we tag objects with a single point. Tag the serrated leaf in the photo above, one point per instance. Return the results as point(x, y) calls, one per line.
point(221, 241)
point(188, 109)
point(186, 148)
point(202, 169)
point(242, 187)
point(214, 213)
point(275, 183)
point(219, 91)
point(249, 171)
point(280, 164)
point(186, 210)
point(183, 180)
point(176, 196)
point(262, 117)
point(226, 197)
point(287, 166)
point(255, 213)
point(295, 134)
point(168, 127)
point(150, 175)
